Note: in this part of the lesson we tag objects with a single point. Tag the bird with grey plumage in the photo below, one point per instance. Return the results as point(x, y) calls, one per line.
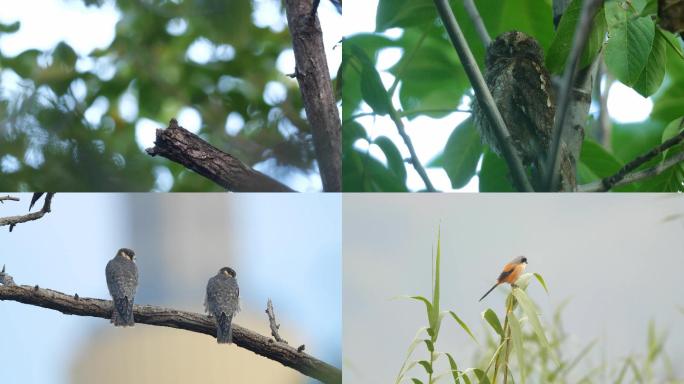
point(222, 302)
point(521, 87)
point(122, 281)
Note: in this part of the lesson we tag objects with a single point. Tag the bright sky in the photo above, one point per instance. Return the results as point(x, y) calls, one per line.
point(100, 23)
point(429, 135)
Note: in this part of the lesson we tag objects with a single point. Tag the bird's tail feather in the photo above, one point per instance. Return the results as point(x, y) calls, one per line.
point(122, 313)
point(224, 329)
point(488, 292)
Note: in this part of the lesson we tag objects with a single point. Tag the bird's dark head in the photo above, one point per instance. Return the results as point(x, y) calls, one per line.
point(127, 253)
point(228, 271)
point(520, 260)
point(513, 44)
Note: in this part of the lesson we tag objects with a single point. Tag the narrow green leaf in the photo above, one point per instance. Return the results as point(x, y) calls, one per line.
point(541, 281)
point(454, 368)
point(416, 381)
point(463, 325)
point(435, 318)
point(517, 338)
point(426, 365)
point(10, 28)
point(494, 174)
point(493, 320)
point(531, 313)
point(394, 160)
point(430, 345)
point(630, 42)
point(481, 376)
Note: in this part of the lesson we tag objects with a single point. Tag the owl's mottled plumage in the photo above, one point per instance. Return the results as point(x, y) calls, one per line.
point(521, 88)
point(222, 302)
point(122, 281)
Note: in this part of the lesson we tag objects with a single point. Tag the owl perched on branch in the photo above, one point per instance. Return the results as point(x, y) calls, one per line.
point(521, 87)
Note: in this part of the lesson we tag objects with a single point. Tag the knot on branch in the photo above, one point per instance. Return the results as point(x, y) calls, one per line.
point(6, 279)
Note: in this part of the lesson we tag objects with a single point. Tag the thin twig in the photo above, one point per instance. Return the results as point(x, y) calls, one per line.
point(168, 317)
point(589, 10)
point(272, 322)
point(14, 220)
point(483, 95)
point(477, 21)
point(396, 118)
point(600, 186)
point(8, 197)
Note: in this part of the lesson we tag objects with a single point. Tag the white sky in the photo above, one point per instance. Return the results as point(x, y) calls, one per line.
point(429, 135)
point(100, 26)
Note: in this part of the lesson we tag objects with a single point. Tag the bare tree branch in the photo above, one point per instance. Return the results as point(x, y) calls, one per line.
point(8, 197)
point(623, 176)
point(168, 317)
point(477, 21)
point(314, 82)
point(272, 322)
point(589, 10)
point(14, 220)
point(483, 95)
point(181, 146)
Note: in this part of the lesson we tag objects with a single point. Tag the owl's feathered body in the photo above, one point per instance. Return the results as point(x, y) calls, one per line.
point(222, 302)
point(122, 281)
point(521, 87)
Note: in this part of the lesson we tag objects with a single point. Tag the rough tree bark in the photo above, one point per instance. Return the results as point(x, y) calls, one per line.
point(314, 82)
point(167, 317)
point(179, 145)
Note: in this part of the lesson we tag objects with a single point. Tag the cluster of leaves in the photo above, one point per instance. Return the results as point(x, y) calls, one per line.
point(540, 350)
point(432, 83)
point(44, 127)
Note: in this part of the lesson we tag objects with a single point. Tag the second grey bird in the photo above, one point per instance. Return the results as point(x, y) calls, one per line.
point(222, 302)
point(122, 281)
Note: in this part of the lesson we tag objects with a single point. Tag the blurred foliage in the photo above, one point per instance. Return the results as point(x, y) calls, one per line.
point(430, 81)
point(46, 143)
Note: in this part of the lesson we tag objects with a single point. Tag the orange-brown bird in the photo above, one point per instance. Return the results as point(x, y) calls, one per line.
point(510, 274)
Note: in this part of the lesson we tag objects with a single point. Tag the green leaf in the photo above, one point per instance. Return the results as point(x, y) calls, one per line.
point(428, 305)
point(426, 365)
point(435, 318)
point(557, 54)
point(541, 281)
point(597, 160)
point(463, 325)
point(494, 175)
point(430, 72)
point(373, 92)
point(517, 338)
point(531, 313)
point(493, 320)
point(403, 13)
point(631, 140)
point(10, 28)
point(362, 172)
point(394, 159)
point(630, 42)
point(454, 368)
point(416, 381)
point(461, 153)
point(652, 76)
point(481, 376)
point(651, 8)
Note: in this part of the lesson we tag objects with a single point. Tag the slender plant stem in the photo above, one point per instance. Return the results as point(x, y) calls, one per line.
point(483, 95)
point(396, 118)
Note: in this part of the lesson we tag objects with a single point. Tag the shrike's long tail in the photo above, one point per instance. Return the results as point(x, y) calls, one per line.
point(488, 292)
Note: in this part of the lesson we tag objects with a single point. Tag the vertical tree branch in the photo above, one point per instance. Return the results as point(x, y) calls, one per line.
point(314, 82)
point(484, 96)
point(582, 30)
point(477, 21)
